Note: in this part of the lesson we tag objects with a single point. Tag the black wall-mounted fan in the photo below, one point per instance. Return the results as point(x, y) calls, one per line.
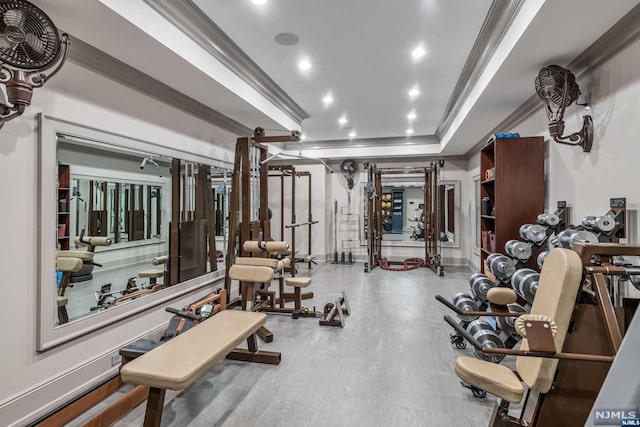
point(349, 169)
point(29, 45)
point(557, 88)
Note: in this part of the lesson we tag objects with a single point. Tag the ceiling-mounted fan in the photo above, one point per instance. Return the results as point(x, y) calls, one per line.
point(557, 88)
point(29, 45)
point(349, 168)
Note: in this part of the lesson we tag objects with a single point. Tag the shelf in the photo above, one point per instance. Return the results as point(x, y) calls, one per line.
point(486, 251)
point(487, 216)
point(63, 238)
point(488, 181)
point(64, 188)
point(63, 213)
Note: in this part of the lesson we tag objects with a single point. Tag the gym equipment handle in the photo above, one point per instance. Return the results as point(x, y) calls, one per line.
point(461, 331)
point(446, 302)
point(183, 313)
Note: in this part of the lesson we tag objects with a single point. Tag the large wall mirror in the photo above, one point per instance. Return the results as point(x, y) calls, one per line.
point(125, 225)
point(403, 211)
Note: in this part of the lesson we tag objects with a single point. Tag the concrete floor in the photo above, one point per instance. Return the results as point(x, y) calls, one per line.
point(391, 365)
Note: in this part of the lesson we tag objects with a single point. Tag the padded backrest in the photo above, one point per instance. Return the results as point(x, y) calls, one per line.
point(256, 261)
point(67, 264)
point(250, 273)
point(558, 288)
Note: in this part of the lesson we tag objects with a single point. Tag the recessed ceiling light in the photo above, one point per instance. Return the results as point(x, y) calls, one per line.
point(303, 137)
point(342, 120)
point(414, 92)
point(360, 145)
point(328, 99)
point(304, 64)
point(315, 147)
point(418, 52)
point(352, 134)
point(409, 131)
point(286, 39)
point(259, 1)
point(411, 115)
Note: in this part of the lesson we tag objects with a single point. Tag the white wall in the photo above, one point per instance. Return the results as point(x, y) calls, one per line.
point(32, 382)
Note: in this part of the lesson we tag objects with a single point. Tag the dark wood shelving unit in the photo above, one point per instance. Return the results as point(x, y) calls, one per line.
point(517, 191)
point(64, 198)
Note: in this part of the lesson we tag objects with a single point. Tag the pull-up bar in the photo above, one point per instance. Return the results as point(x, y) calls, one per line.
point(301, 224)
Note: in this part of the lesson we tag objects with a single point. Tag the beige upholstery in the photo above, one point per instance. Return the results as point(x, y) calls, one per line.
point(153, 273)
point(66, 264)
point(83, 255)
point(308, 258)
point(490, 377)
point(250, 273)
point(264, 262)
point(62, 301)
point(298, 282)
point(286, 261)
point(555, 299)
point(93, 241)
point(502, 296)
point(160, 260)
point(556, 296)
point(521, 322)
point(179, 362)
point(271, 247)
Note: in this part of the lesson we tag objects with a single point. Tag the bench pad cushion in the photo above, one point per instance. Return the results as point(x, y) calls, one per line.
point(264, 262)
point(179, 362)
point(298, 282)
point(83, 255)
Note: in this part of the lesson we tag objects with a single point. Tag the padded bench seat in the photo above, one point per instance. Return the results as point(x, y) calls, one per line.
point(83, 255)
point(273, 263)
point(177, 363)
point(152, 273)
point(298, 282)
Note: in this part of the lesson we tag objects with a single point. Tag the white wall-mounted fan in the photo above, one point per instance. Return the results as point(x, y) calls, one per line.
point(29, 45)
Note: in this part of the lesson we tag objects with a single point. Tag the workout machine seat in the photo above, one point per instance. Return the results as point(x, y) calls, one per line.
point(138, 348)
point(555, 299)
point(68, 264)
point(85, 256)
point(298, 282)
point(62, 301)
point(502, 296)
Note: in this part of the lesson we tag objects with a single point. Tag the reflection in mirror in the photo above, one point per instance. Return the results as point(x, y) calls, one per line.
point(221, 196)
point(403, 211)
point(114, 226)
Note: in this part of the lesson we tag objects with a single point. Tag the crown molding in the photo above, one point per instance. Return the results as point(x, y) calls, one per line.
point(495, 26)
point(104, 64)
point(194, 23)
point(359, 143)
point(625, 32)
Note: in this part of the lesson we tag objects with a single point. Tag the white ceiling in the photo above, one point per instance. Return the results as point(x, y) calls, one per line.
point(360, 51)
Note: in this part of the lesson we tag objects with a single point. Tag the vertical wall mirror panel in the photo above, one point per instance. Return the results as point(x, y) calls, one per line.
point(124, 225)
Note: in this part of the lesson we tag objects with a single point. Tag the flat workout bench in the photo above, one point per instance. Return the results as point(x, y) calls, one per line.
point(179, 362)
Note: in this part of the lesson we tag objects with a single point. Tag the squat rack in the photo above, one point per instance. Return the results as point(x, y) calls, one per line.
point(283, 171)
point(432, 256)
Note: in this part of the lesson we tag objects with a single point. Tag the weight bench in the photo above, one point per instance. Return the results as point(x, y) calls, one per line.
point(176, 364)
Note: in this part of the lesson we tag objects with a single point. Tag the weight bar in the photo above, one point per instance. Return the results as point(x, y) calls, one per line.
point(501, 266)
point(541, 257)
point(548, 219)
point(465, 303)
point(567, 238)
point(525, 283)
point(534, 233)
point(599, 223)
point(484, 334)
point(480, 285)
point(518, 249)
point(507, 324)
